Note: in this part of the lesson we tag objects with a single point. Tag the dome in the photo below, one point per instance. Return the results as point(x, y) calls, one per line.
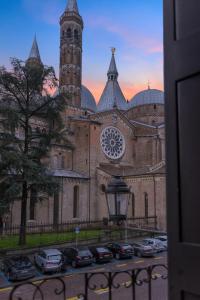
point(149, 96)
point(87, 99)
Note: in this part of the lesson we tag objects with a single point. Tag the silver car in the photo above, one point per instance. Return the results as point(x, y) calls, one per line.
point(155, 244)
point(163, 240)
point(50, 260)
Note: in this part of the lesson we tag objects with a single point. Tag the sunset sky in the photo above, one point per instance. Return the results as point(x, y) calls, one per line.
point(133, 27)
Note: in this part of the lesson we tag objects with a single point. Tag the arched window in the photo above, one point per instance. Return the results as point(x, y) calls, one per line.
point(56, 209)
point(33, 200)
point(69, 33)
point(63, 162)
point(103, 188)
point(76, 34)
point(76, 202)
point(146, 205)
point(133, 205)
point(55, 162)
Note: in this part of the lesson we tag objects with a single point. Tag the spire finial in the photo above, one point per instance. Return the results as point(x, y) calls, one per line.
point(149, 85)
point(113, 50)
point(112, 72)
point(72, 6)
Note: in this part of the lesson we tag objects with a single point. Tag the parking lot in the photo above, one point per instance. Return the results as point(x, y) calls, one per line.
point(113, 265)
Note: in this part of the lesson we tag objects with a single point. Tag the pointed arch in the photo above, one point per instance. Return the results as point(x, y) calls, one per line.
point(133, 204)
point(146, 205)
point(69, 33)
point(76, 202)
point(76, 35)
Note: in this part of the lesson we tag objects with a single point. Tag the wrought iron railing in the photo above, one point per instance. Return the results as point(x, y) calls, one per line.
point(35, 227)
point(138, 285)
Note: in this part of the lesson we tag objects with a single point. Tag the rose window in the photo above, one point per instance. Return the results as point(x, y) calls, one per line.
point(112, 143)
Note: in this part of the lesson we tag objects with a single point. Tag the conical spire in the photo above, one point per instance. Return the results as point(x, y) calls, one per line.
point(112, 72)
point(34, 53)
point(112, 96)
point(72, 6)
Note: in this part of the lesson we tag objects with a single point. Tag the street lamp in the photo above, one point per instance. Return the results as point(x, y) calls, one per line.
point(117, 197)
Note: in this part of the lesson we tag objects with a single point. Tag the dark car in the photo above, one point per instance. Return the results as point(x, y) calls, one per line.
point(120, 250)
point(140, 249)
point(18, 268)
point(78, 257)
point(101, 254)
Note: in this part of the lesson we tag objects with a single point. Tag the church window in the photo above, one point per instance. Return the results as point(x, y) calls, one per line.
point(146, 205)
point(44, 130)
point(55, 162)
point(76, 201)
point(56, 209)
point(103, 188)
point(69, 33)
point(76, 34)
point(112, 142)
point(33, 199)
point(133, 205)
point(63, 162)
point(154, 106)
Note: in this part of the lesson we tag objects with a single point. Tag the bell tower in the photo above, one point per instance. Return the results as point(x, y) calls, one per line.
point(71, 28)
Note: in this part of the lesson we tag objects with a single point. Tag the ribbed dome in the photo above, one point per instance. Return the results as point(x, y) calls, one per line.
point(87, 99)
point(150, 96)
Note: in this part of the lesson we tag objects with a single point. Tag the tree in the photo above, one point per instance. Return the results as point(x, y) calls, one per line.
point(25, 102)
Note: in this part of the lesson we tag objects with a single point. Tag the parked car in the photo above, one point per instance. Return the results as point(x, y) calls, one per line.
point(155, 244)
point(141, 249)
point(121, 250)
point(50, 260)
point(101, 254)
point(163, 240)
point(78, 257)
point(18, 268)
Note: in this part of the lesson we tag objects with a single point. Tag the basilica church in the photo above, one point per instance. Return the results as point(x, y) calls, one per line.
point(113, 137)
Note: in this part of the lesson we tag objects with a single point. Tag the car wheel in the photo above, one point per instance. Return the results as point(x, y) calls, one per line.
point(117, 256)
point(74, 265)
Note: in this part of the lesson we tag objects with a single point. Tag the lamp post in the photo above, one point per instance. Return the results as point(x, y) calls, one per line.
point(117, 197)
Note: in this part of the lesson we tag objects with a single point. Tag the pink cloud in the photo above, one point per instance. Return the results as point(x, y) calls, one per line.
point(137, 40)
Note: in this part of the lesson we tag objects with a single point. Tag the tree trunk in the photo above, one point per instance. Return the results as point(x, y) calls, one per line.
point(22, 234)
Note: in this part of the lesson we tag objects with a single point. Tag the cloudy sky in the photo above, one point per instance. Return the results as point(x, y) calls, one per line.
point(134, 27)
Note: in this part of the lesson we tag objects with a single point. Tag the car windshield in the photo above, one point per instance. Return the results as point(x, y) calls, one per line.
point(21, 263)
point(162, 239)
point(102, 250)
point(54, 257)
point(84, 253)
point(126, 247)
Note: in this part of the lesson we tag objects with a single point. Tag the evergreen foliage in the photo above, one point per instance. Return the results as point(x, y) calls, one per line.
point(30, 122)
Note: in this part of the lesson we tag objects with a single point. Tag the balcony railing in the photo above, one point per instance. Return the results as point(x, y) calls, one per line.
point(148, 283)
